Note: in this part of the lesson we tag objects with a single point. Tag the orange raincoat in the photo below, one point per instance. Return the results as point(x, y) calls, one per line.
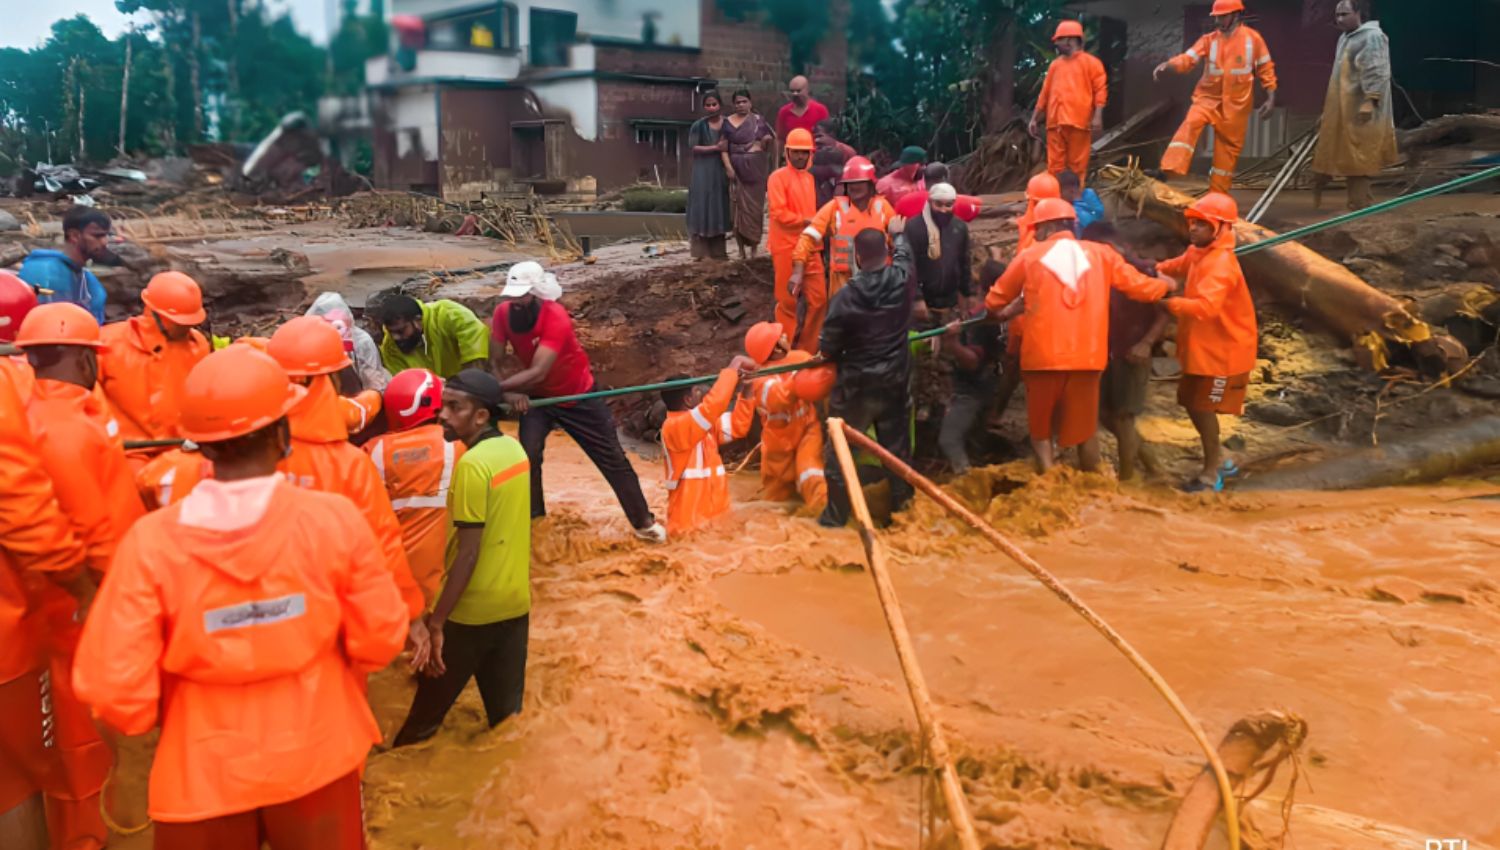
point(322, 458)
point(1075, 86)
point(417, 466)
point(244, 628)
point(359, 409)
point(141, 373)
point(838, 222)
point(1216, 329)
point(1223, 99)
point(697, 487)
point(791, 196)
point(791, 440)
point(1066, 285)
point(170, 476)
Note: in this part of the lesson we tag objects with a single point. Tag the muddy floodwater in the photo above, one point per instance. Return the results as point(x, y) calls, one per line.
point(739, 690)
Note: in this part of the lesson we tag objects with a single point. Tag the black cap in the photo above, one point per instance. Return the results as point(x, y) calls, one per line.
point(479, 384)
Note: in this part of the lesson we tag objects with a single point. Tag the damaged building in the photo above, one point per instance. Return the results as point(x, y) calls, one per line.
point(564, 96)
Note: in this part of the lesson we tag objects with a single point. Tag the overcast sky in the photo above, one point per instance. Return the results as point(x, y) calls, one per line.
point(27, 22)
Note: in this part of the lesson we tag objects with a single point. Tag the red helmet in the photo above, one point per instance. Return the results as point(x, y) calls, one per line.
point(1068, 29)
point(16, 300)
point(967, 207)
point(1215, 208)
point(1041, 186)
point(1224, 7)
point(858, 170)
point(1054, 209)
point(411, 398)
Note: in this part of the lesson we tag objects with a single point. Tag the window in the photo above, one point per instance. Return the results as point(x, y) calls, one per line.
point(552, 32)
point(663, 140)
point(486, 28)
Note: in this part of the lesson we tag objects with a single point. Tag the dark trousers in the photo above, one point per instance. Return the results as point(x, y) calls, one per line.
point(860, 405)
point(592, 427)
point(493, 655)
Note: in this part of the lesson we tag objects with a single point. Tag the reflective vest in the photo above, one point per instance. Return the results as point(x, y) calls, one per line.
point(840, 221)
point(417, 467)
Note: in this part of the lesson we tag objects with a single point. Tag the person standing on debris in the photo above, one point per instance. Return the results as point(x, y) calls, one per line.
point(243, 621)
point(865, 336)
point(1236, 57)
point(976, 354)
point(1039, 188)
point(906, 178)
point(940, 250)
point(793, 200)
point(791, 435)
point(417, 463)
point(540, 332)
point(837, 222)
point(708, 216)
point(481, 620)
point(697, 486)
point(148, 357)
point(1357, 137)
point(1066, 286)
point(750, 142)
point(801, 111)
point(1217, 336)
point(1072, 102)
point(440, 336)
point(62, 275)
point(1134, 330)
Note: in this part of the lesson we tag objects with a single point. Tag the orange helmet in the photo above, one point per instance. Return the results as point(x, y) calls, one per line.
point(1215, 207)
point(814, 384)
point(233, 392)
point(175, 296)
point(761, 340)
point(307, 345)
point(1053, 209)
point(1068, 29)
point(799, 140)
point(797, 355)
point(1041, 186)
point(1224, 7)
point(858, 170)
point(17, 298)
point(411, 398)
point(60, 323)
point(259, 343)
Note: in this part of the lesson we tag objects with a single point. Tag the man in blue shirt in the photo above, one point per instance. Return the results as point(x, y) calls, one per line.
point(1086, 202)
point(60, 275)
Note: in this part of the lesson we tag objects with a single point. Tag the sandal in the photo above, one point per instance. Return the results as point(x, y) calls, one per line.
point(1198, 485)
point(1229, 469)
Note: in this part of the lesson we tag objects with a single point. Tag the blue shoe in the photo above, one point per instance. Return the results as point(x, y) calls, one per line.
point(1229, 469)
point(1197, 485)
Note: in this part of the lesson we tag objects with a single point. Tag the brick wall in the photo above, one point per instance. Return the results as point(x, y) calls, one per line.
point(757, 57)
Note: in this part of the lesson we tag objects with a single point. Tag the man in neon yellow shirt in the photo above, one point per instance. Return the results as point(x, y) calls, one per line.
point(480, 622)
point(440, 336)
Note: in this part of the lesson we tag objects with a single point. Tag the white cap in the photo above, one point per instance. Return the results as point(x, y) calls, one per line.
point(522, 278)
point(943, 193)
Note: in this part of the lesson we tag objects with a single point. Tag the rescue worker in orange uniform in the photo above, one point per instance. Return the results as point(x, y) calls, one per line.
point(791, 435)
point(149, 357)
point(171, 475)
point(1236, 57)
point(38, 550)
point(322, 458)
point(697, 486)
point(1217, 336)
point(1072, 102)
point(243, 621)
point(1039, 188)
point(79, 445)
point(1066, 285)
point(836, 224)
point(792, 197)
point(417, 464)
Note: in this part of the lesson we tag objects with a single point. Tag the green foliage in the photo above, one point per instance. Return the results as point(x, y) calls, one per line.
point(652, 199)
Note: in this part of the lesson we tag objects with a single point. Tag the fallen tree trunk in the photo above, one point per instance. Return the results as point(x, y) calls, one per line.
point(1437, 128)
point(1433, 456)
point(1305, 280)
point(1254, 744)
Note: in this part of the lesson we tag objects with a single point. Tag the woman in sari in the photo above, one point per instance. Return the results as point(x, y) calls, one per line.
point(708, 186)
point(750, 137)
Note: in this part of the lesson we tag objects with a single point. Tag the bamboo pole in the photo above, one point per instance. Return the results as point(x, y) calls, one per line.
point(906, 654)
point(1015, 553)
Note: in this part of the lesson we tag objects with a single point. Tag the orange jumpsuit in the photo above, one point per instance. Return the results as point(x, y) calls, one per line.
point(79, 445)
point(322, 458)
point(243, 622)
point(37, 548)
point(697, 486)
point(839, 221)
point(141, 373)
point(417, 466)
point(1216, 330)
point(791, 196)
point(791, 441)
point(171, 475)
point(1223, 99)
point(1075, 86)
point(359, 409)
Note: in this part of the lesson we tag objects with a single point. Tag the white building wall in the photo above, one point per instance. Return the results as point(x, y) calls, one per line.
point(415, 108)
point(677, 21)
point(578, 99)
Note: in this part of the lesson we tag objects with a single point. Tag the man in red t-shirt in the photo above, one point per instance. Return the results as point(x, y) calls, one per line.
point(801, 111)
point(540, 332)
